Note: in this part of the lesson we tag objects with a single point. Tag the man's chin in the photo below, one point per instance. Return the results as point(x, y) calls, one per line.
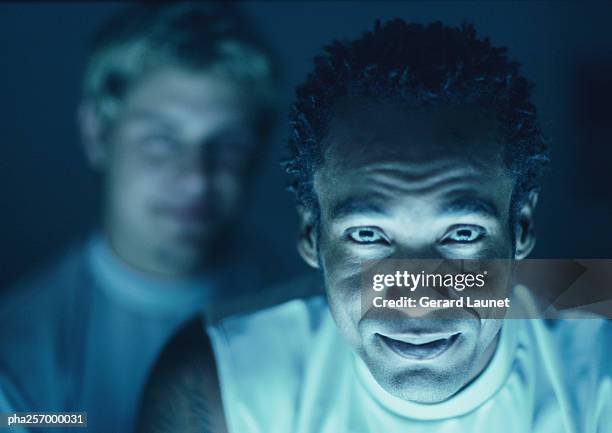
point(184, 252)
point(192, 238)
point(420, 382)
point(180, 260)
point(425, 387)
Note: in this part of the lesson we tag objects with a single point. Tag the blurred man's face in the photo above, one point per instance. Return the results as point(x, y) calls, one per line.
point(175, 170)
point(428, 184)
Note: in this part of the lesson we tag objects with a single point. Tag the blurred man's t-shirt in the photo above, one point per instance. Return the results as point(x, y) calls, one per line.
point(287, 369)
point(84, 335)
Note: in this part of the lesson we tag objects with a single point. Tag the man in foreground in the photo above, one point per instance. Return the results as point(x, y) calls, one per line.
point(413, 142)
point(177, 103)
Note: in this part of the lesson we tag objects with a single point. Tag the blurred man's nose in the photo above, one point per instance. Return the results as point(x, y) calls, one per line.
point(193, 176)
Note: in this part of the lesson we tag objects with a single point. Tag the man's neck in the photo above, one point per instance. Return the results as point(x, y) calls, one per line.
point(154, 264)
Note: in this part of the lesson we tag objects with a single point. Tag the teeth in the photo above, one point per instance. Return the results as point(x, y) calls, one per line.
point(419, 347)
point(420, 339)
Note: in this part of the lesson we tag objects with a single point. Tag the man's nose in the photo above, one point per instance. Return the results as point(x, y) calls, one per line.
point(420, 260)
point(194, 177)
point(416, 251)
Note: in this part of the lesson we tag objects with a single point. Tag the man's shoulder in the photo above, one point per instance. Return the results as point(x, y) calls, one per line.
point(255, 353)
point(296, 308)
point(182, 393)
point(263, 303)
point(263, 358)
point(285, 332)
point(44, 288)
point(37, 313)
point(576, 362)
point(577, 336)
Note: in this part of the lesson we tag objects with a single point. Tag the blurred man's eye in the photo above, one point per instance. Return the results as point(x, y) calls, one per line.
point(464, 235)
point(367, 235)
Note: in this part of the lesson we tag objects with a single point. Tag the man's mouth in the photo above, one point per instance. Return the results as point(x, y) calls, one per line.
point(192, 215)
point(419, 347)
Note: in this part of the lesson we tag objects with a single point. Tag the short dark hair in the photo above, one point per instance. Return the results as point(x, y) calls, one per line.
point(417, 65)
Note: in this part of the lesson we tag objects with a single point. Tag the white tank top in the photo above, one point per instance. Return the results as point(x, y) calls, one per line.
point(287, 370)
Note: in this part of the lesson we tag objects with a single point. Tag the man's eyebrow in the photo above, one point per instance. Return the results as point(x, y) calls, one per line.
point(470, 205)
point(354, 206)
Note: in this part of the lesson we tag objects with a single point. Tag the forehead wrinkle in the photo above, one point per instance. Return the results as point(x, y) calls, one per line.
point(387, 183)
point(430, 183)
point(411, 170)
point(468, 202)
point(396, 175)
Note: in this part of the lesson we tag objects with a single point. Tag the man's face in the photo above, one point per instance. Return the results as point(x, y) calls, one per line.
point(177, 159)
point(399, 185)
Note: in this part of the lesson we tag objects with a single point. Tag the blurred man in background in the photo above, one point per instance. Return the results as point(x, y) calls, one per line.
point(177, 103)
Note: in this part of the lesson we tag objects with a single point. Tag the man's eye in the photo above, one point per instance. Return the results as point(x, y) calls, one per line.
point(464, 235)
point(367, 235)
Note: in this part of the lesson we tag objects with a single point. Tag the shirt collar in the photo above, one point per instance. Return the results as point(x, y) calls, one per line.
point(143, 292)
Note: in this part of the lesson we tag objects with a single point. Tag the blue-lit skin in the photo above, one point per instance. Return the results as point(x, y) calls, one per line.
point(402, 185)
point(174, 163)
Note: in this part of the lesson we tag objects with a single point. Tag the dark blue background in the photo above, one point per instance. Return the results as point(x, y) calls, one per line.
point(49, 198)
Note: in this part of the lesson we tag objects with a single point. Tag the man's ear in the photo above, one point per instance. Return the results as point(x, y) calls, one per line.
point(525, 231)
point(307, 241)
point(91, 135)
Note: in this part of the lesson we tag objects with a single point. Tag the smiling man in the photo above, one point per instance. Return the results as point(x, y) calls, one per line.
point(412, 183)
point(410, 143)
point(177, 102)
